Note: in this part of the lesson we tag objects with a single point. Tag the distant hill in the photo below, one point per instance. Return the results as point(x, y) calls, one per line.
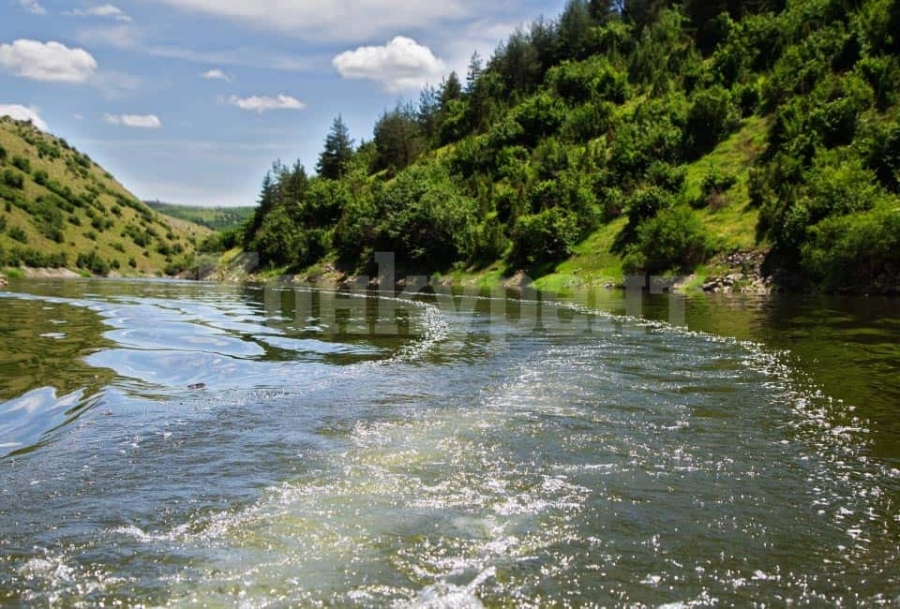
point(215, 218)
point(60, 209)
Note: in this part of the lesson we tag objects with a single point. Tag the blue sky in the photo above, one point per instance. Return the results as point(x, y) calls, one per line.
point(190, 101)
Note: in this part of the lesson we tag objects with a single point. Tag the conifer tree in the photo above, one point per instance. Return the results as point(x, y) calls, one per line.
point(335, 158)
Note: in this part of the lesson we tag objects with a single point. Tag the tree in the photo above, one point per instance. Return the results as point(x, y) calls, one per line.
point(398, 138)
point(476, 67)
point(267, 200)
point(338, 151)
point(429, 113)
point(575, 30)
point(451, 90)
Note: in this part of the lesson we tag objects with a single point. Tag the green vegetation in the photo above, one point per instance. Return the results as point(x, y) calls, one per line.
point(58, 209)
point(627, 136)
point(214, 218)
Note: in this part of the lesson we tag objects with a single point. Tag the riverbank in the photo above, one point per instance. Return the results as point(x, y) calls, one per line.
point(739, 272)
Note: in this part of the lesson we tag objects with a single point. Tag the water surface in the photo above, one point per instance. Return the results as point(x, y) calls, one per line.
point(174, 444)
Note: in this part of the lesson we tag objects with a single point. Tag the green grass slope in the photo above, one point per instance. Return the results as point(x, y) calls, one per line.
point(214, 218)
point(59, 209)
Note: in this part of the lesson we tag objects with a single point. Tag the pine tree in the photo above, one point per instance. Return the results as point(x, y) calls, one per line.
point(335, 158)
point(451, 89)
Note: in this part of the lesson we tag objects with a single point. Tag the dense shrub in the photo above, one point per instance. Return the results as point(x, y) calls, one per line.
point(547, 236)
point(13, 179)
point(20, 162)
point(852, 251)
point(594, 80)
point(711, 117)
point(93, 262)
point(427, 218)
point(18, 234)
point(37, 259)
point(673, 240)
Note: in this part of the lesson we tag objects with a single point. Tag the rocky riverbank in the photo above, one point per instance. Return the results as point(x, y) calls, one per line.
point(744, 274)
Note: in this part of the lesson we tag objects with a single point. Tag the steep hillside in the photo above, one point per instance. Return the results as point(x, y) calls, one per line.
point(628, 137)
point(214, 218)
point(60, 209)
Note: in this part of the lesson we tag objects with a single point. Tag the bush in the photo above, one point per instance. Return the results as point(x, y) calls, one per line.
point(840, 101)
point(858, 250)
point(747, 98)
point(548, 236)
point(881, 149)
point(587, 122)
point(539, 116)
point(882, 74)
point(3, 154)
point(36, 259)
point(710, 119)
point(16, 233)
point(13, 179)
point(587, 81)
point(668, 177)
point(714, 184)
point(93, 262)
point(427, 218)
point(20, 162)
point(41, 177)
point(674, 240)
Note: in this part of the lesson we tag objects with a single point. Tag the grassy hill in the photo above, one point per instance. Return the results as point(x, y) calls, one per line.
point(59, 209)
point(214, 218)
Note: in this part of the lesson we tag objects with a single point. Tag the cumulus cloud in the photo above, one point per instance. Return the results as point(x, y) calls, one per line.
point(107, 11)
point(217, 75)
point(400, 64)
point(262, 104)
point(331, 19)
point(142, 121)
point(47, 61)
point(23, 113)
point(33, 6)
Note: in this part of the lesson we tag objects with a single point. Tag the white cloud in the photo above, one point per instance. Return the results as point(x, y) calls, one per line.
point(217, 75)
point(33, 6)
point(262, 104)
point(23, 113)
point(104, 10)
point(48, 61)
point(143, 121)
point(333, 19)
point(400, 64)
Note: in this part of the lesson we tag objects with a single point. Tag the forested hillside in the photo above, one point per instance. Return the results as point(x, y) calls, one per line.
point(59, 209)
point(645, 135)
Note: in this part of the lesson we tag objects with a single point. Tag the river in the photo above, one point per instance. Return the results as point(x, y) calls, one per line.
point(169, 444)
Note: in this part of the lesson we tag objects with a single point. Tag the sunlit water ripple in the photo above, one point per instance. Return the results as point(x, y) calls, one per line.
point(206, 447)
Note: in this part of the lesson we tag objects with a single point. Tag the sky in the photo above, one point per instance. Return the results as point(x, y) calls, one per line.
point(190, 101)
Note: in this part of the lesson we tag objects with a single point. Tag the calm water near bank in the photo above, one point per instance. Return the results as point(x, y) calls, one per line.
point(174, 444)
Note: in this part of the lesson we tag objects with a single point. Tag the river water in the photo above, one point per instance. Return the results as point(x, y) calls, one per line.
point(182, 444)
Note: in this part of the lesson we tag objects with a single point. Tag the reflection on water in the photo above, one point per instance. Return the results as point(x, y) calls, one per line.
point(175, 444)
